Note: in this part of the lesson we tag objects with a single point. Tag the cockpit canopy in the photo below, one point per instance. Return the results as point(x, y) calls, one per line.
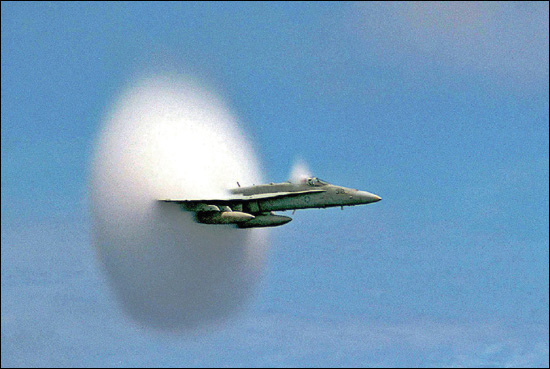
point(316, 182)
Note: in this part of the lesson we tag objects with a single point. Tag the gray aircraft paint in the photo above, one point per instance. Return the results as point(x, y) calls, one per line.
point(261, 200)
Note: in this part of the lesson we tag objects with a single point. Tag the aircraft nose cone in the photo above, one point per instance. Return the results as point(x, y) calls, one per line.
point(367, 197)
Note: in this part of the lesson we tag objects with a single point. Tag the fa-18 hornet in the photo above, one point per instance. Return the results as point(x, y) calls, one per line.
point(251, 207)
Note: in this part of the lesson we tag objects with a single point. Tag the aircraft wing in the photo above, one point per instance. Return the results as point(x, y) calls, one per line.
point(238, 199)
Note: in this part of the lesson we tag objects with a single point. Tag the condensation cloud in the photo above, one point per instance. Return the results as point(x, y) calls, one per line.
point(300, 171)
point(171, 138)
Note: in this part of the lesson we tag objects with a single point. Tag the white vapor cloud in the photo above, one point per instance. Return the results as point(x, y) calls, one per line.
point(169, 138)
point(300, 171)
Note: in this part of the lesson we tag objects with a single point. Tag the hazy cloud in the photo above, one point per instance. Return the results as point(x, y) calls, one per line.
point(507, 41)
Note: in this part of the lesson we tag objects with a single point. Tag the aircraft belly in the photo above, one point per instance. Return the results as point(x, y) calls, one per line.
point(252, 207)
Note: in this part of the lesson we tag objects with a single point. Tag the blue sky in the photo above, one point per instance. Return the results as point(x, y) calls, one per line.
point(441, 109)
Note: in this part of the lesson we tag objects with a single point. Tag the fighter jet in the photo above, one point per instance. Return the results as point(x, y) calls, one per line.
point(251, 207)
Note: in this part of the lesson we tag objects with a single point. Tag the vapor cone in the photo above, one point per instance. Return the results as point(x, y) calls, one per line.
point(167, 139)
point(300, 171)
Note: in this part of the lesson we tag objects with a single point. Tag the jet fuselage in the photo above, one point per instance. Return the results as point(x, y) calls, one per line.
point(304, 197)
point(251, 207)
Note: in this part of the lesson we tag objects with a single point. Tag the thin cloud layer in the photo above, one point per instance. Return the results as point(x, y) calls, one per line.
point(507, 41)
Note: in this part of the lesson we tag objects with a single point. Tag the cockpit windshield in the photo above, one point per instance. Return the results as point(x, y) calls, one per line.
point(316, 182)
